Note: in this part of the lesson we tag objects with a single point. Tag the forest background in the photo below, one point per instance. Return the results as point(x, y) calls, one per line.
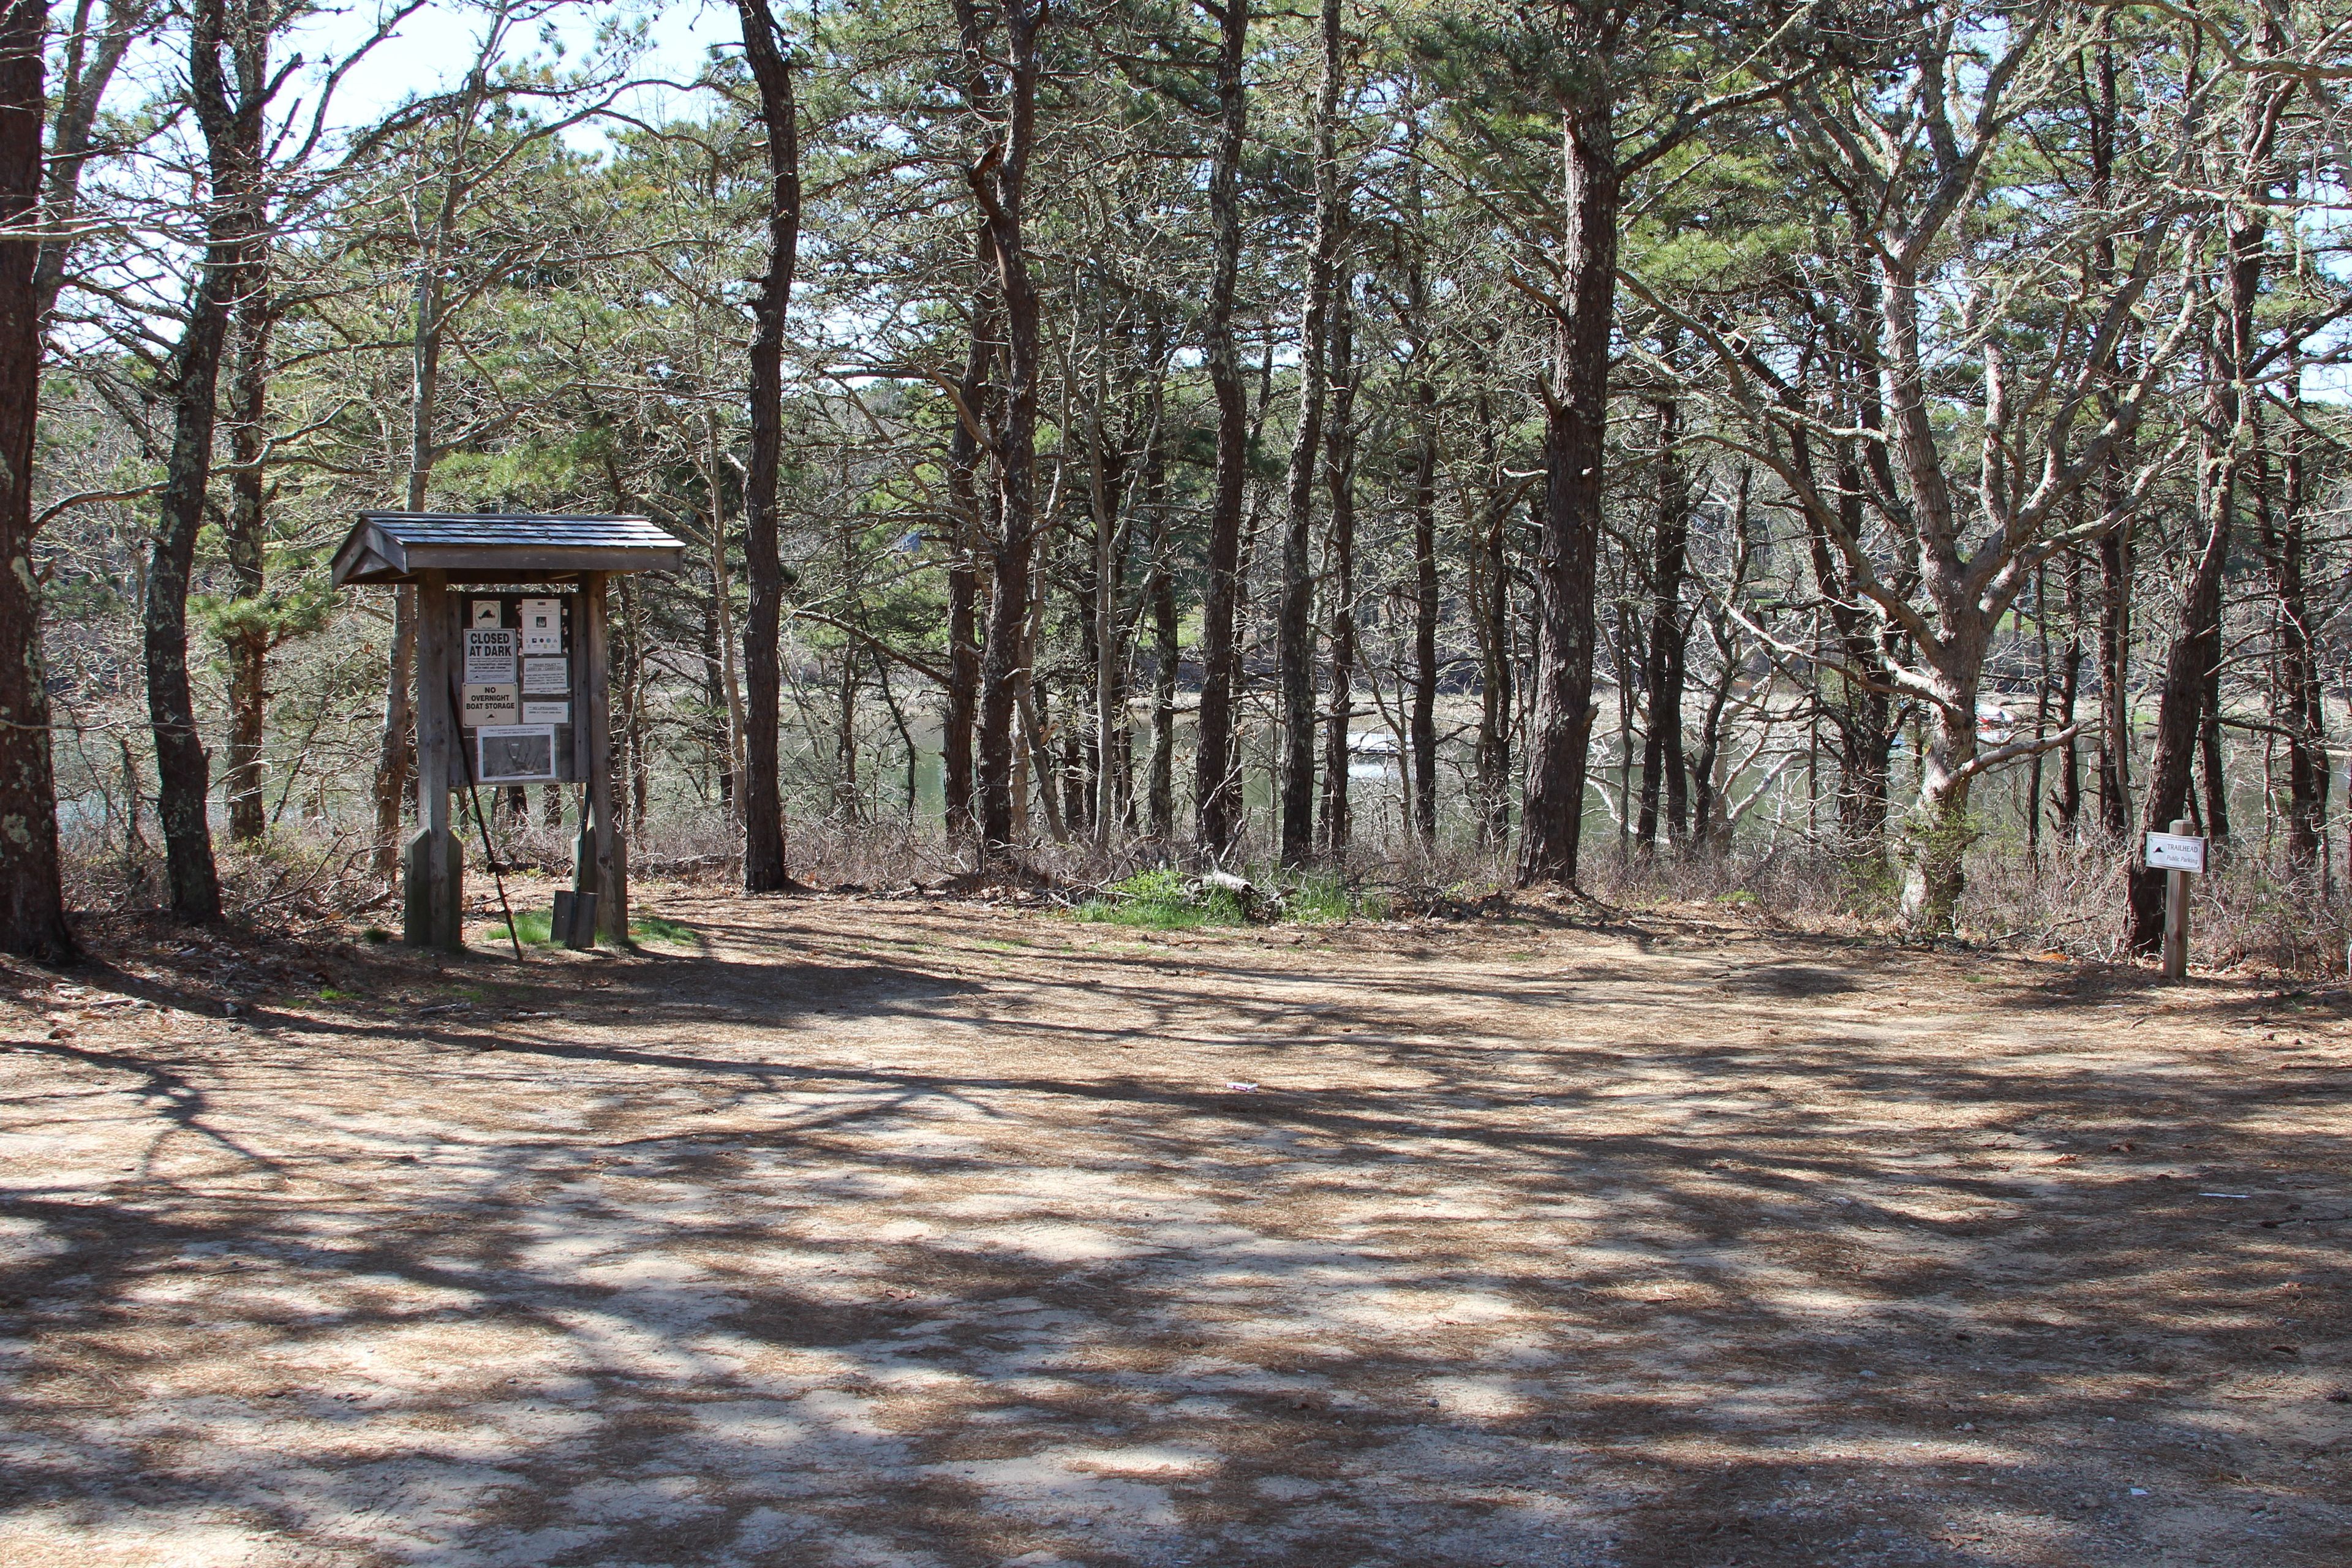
point(1874, 459)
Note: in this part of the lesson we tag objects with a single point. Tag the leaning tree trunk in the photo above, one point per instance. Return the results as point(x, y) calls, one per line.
point(763, 572)
point(1561, 727)
point(233, 131)
point(32, 895)
point(1218, 796)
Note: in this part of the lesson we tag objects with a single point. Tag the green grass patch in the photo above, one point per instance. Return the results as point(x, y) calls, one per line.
point(658, 928)
point(328, 993)
point(1166, 899)
point(537, 928)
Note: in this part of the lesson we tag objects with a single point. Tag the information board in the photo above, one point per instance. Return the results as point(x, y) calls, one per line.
point(515, 699)
point(2175, 852)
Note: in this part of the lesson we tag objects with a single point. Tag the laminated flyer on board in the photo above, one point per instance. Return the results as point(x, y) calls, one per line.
point(542, 625)
point(546, 677)
point(515, 753)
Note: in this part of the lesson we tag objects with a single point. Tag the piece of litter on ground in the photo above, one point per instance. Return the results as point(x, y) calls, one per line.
point(2221, 1194)
point(1240, 1088)
point(2139, 1491)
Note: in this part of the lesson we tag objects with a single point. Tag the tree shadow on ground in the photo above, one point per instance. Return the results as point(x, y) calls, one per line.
point(1334, 1258)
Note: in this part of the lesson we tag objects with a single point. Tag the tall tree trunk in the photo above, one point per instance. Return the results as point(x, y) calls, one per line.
point(1560, 732)
point(2211, 765)
point(1490, 618)
point(1295, 627)
point(32, 896)
point(1159, 784)
point(32, 272)
point(729, 655)
point(2114, 661)
point(1160, 600)
point(763, 572)
point(1662, 743)
point(848, 806)
point(1339, 569)
point(1218, 795)
point(231, 120)
point(394, 773)
point(2103, 119)
point(714, 696)
point(2179, 712)
point(1099, 614)
point(997, 182)
point(2068, 801)
point(1421, 505)
point(965, 447)
point(2192, 665)
point(247, 636)
point(2296, 704)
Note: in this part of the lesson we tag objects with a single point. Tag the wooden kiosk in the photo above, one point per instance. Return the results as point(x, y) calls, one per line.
point(513, 682)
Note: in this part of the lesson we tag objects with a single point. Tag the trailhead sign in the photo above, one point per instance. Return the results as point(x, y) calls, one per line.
point(2176, 852)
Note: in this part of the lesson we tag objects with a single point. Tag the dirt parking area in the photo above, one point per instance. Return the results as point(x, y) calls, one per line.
point(907, 1231)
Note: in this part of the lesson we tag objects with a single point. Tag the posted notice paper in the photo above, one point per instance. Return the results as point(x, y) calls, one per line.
point(546, 712)
point(490, 657)
point(546, 677)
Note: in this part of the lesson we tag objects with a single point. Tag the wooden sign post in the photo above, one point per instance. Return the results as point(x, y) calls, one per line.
point(2179, 854)
point(512, 687)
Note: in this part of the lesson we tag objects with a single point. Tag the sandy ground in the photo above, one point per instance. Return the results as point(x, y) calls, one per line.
point(900, 1232)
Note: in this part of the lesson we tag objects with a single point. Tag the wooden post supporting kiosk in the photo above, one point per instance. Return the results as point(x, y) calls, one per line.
point(513, 683)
